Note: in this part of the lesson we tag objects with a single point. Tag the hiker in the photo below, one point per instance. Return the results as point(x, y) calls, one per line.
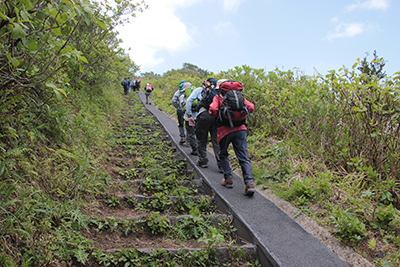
point(137, 84)
point(232, 132)
point(148, 90)
point(125, 85)
point(205, 123)
point(132, 86)
point(189, 119)
point(179, 111)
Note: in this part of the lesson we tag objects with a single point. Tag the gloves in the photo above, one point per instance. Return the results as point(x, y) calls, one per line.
point(192, 122)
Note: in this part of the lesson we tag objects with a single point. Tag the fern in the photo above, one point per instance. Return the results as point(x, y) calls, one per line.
point(372, 244)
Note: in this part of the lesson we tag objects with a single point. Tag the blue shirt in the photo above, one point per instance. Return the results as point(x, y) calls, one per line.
point(196, 94)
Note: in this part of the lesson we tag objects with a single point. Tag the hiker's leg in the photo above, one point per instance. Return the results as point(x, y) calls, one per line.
point(239, 143)
point(202, 136)
point(224, 156)
point(179, 114)
point(190, 136)
point(213, 134)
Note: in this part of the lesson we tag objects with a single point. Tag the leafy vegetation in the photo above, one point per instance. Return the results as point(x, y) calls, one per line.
point(328, 143)
point(55, 107)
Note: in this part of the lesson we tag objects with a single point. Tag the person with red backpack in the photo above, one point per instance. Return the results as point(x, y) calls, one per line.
point(137, 84)
point(232, 109)
point(148, 90)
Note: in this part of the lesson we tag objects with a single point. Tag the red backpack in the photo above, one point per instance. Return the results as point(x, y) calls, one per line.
point(149, 88)
point(233, 111)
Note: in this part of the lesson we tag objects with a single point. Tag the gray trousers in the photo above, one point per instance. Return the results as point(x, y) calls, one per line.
point(190, 136)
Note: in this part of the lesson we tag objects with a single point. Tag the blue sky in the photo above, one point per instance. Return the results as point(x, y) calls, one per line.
point(309, 36)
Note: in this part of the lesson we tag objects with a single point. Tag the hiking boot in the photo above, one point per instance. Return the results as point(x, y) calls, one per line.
point(194, 153)
point(201, 165)
point(183, 140)
point(250, 189)
point(228, 182)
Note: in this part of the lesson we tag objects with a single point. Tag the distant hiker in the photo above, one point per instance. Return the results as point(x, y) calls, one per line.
point(205, 123)
point(189, 119)
point(137, 84)
point(148, 90)
point(132, 86)
point(125, 85)
point(180, 111)
point(236, 134)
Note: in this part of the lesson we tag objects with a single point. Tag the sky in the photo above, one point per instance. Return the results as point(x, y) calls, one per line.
point(306, 36)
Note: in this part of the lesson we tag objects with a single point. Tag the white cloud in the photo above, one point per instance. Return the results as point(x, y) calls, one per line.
point(346, 30)
point(369, 4)
point(335, 19)
point(156, 29)
point(231, 5)
point(225, 28)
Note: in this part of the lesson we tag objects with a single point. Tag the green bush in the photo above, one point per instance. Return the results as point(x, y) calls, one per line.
point(347, 226)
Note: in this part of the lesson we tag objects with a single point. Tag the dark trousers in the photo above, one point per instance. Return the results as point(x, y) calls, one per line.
point(148, 96)
point(205, 124)
point(181, 128)
point(239, 143)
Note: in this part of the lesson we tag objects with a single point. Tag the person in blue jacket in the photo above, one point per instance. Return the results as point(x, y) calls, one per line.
point(204, 122)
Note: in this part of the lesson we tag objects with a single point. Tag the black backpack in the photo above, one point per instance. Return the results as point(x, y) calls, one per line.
point(233, 111)
point(208, 93)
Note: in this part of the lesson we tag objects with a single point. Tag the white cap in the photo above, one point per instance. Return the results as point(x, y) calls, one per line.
point(219, 82)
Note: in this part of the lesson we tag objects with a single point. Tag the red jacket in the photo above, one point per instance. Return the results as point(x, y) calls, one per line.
point(225, 130)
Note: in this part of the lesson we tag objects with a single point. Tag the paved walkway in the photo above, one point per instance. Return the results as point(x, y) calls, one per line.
point(279, 239)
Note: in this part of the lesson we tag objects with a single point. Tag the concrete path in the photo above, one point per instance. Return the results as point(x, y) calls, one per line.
point(279, 239)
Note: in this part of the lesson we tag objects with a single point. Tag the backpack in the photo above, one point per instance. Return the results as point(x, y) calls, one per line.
point(233, 111)
point(124, 82)
point(208, 93)
point(149, 88)
point(188, 92)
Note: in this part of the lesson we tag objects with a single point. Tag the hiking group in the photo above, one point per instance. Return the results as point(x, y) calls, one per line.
point(219, 109)
point(129, 84)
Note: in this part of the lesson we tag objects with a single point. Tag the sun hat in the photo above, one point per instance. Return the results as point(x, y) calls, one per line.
point(219, 82)
point(186, 85)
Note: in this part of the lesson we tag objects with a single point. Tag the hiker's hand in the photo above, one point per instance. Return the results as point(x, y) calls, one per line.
point(191, 121)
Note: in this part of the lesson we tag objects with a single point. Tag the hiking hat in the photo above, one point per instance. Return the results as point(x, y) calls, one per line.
point(219, 82)
point(213, 82)
point(181, 85)
point(186, 85)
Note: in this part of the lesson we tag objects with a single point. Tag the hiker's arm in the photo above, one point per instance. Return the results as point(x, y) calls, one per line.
point(214, 106)
point(249, 105)
point(189, 102)
point(175, 99)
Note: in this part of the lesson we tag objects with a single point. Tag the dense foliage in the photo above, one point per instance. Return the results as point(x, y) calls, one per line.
point(59, 64)
point(329, 144)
